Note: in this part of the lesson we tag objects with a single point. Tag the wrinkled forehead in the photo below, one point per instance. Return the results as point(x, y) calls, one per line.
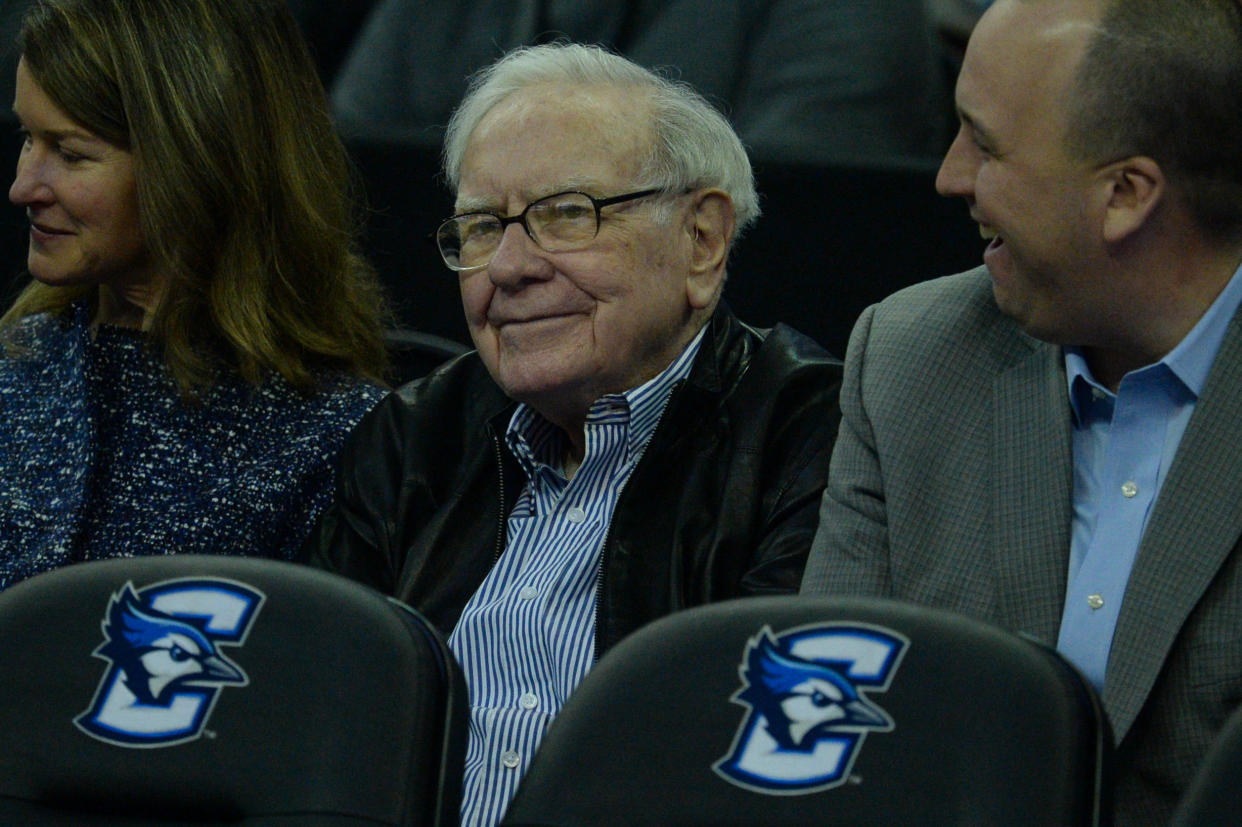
point(603, 112)
point(556, 134)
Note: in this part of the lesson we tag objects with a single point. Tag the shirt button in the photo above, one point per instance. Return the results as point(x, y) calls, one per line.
point(1096, 393)
point(510, 759)
point(528, 701)
point(1095, 601)
point(528, 593)
point(1128, 489)
point(575, 515)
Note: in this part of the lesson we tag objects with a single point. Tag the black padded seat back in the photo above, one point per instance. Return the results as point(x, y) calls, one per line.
point(1215, 793)
point(836, 238)
point(811, 710)
point(414, 354)
point(223, 690)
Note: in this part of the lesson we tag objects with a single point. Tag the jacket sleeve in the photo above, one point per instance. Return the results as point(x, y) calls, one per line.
point(352, 536)
point(850, 551)
point(804, 425)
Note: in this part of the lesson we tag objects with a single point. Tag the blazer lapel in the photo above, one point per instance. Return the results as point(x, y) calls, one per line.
point(1031, 501)
point(1195, 524)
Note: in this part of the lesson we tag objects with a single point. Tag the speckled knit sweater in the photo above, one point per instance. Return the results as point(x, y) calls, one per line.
point(100, 456)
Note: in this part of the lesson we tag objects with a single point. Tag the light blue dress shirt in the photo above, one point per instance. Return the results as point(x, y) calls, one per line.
point(527, 636)
point(1123, 446)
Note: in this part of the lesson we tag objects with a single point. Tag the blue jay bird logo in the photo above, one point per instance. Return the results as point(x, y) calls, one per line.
point(166, 667)
point(808, 715)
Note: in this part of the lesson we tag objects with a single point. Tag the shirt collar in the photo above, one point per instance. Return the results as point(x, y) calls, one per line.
point(1081, 384)
point(1190, 361)
point(535, 441)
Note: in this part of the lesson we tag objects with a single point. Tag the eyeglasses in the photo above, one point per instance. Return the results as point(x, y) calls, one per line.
point(559, 223)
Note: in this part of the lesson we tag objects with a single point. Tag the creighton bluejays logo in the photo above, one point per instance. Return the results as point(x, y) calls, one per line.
point(166, 667)
point(808, 715)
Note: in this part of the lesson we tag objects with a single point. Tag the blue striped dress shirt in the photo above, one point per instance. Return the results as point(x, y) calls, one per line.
point(526, 637)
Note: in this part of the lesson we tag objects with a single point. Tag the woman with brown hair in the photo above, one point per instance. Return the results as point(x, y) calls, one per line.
point(200, 332)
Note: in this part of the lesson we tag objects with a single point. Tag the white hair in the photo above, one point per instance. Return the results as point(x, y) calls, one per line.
point(694, 146)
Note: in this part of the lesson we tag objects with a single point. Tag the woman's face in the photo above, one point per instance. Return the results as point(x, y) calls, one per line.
point(81, 200)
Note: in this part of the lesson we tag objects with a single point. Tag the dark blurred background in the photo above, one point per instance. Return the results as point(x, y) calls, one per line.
point(848, 217)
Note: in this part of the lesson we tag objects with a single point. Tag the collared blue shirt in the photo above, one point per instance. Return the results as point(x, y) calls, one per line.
point(1123, 446)
point(527, 636)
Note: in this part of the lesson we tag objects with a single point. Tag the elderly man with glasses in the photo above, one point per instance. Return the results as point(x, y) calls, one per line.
point(619, 446)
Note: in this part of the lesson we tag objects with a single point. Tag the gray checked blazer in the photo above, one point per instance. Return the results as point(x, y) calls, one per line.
point(951, 485)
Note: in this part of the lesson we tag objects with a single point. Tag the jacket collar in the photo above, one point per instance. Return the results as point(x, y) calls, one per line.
point(725, 351)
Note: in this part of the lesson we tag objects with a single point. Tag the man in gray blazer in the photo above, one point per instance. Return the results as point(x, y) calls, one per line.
point(1053, 442)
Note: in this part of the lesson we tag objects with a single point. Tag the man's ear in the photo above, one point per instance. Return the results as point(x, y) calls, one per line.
point(709, 223)
point(1135, 186)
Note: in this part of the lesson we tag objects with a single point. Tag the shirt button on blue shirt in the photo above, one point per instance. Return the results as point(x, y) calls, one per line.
point(1128, 489)
point(528, 701)
point(575, 515)
point(510, 759)
point(1095, 601)
point(528, 593)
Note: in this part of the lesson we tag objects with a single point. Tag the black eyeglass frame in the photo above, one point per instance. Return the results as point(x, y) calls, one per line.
point(520, 218)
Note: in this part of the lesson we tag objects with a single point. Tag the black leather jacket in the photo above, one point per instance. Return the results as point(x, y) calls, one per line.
point(723, 503)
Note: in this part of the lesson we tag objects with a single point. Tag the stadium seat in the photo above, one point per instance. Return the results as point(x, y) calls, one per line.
point(833, 240)
point(222, 690)
point(1213, 797)
point(414, 354)
point(809, 710)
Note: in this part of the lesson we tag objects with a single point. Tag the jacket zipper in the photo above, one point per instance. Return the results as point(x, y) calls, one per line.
point(603, 550)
